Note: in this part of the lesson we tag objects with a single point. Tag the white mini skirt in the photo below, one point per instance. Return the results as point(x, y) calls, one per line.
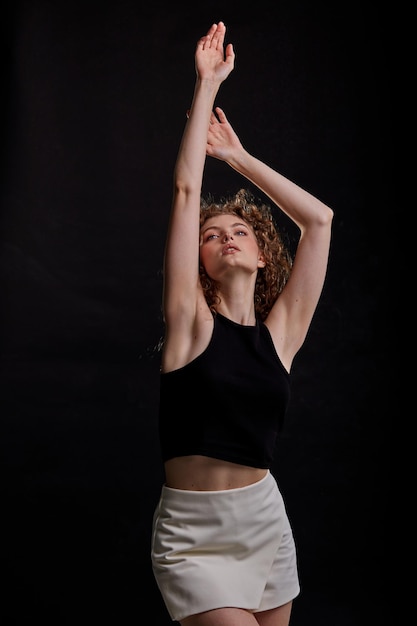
point(231, 548)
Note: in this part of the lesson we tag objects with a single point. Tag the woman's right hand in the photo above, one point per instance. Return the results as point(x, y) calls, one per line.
point(212, 63)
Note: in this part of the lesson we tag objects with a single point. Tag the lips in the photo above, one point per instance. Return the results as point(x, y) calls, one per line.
point(228, 249)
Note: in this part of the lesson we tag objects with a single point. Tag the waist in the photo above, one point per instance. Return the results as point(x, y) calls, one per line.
point(203, 473)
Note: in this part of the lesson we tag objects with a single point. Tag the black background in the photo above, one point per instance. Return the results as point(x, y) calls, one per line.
point(93, 108)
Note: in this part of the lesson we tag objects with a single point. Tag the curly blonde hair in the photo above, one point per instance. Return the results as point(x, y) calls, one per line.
point(270, 279)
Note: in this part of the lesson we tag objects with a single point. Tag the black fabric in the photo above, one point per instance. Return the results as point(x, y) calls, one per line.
point(228, 403)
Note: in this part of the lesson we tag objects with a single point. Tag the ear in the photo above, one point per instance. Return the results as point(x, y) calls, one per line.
point(261, 261)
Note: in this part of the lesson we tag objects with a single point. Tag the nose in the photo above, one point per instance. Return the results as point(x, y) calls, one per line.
point(227, 237)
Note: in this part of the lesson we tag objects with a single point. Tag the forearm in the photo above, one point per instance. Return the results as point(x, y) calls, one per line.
point(301, 206)
point(189, 167)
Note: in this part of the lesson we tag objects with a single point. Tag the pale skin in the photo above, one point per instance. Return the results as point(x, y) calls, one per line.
point(228, 249)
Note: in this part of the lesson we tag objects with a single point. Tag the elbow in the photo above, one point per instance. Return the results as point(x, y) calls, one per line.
point(329, 216)
point(320, 221)
point(185, 188)
point(325, 216)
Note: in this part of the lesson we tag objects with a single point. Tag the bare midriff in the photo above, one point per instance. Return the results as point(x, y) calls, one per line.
point(202, 473)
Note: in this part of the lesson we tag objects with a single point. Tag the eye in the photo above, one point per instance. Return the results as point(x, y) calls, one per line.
point(241, 232)
point(212, 236)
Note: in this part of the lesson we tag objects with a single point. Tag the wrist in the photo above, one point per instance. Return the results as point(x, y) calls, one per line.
point(209, 84)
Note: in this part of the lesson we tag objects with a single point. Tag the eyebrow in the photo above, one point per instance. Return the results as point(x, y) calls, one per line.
point(219, 228)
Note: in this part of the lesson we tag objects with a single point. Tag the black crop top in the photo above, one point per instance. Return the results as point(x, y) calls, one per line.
point(229, 402)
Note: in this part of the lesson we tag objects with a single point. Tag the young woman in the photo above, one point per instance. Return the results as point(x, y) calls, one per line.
point(237, 310)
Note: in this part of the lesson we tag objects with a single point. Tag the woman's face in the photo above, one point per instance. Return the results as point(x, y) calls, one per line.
point(228, 242)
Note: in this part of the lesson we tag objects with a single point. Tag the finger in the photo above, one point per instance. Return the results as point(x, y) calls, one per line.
point(201, 41)
point(221, 115)
point(212, 29)
point(230, 54)
point(206, 39)
point(218, 36)
point(210, 34)
point(213, 118)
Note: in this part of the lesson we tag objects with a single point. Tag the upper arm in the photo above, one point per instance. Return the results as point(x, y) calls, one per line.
point(292, 313)
point(181, 255)
point(183, 298)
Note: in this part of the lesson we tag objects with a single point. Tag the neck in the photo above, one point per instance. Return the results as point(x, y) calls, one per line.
point(237, 300)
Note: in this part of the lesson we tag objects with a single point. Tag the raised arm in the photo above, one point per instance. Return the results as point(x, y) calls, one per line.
point(290, 318)
point(182, 294)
